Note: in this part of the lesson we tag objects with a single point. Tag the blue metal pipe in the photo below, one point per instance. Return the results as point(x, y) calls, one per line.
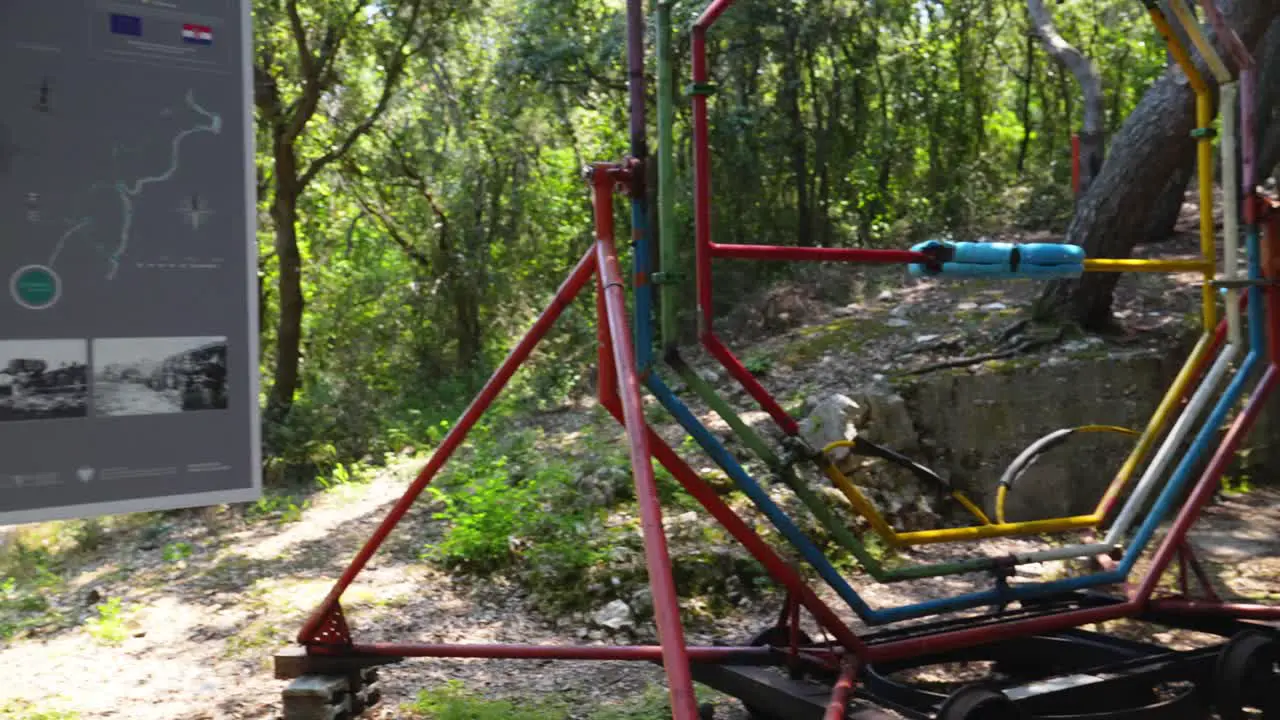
point(998, 595)
point(643, 295)
point(1001, 594)
point(1257, 320)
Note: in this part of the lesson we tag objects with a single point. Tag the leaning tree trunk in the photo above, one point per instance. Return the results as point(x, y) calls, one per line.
point(1268, 125)
point(1092, 139)
point(1168, 206)
point(1111, 217)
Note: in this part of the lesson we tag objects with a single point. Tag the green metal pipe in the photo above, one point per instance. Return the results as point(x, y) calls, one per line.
point(815, 504)
point(667, 278)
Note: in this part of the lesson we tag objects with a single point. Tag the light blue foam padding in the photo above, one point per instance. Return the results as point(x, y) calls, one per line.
point(1037, 261)
point(1025, 272)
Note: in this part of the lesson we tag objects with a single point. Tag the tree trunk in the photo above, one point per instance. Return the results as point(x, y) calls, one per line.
point(289, 289)
point(1267, 129)
point(1092, 137)
point(1029, 70)
point(799, 163)
point(1164, 215)
point(1112, 216)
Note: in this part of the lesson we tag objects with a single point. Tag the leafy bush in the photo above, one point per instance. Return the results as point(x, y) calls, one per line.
point(511, 509)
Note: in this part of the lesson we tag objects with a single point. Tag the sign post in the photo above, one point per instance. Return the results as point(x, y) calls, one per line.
point(128, 329)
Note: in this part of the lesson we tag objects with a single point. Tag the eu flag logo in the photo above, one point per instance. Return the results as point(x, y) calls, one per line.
point(126, 24)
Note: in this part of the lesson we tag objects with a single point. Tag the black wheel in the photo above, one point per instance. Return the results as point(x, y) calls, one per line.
point(979, 702)
point(1245, 676)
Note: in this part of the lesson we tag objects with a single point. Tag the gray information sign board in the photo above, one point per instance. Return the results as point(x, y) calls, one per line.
point(128, 317)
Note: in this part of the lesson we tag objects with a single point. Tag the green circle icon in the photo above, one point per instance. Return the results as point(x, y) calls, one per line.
point(35, 287)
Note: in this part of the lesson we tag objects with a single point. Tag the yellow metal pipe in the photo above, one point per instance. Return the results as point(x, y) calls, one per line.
point(1198, 38)
point(1178, 52)
point(1150, 266)
point(1204, 154)
point(1155, 426)
point(1160, 418)
point(861, 504)
point(1146, 441)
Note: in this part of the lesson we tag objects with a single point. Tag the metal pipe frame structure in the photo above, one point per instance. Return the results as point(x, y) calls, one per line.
point(320, 636)
point(326, 633)
point(1178, 390)
point(1000, 593)
point(1199, 402)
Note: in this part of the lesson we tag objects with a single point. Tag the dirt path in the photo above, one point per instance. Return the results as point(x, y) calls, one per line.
point(195, 635)
point(178, 621)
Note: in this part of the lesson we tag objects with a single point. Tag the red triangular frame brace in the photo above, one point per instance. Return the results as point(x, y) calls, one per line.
point(326, 631)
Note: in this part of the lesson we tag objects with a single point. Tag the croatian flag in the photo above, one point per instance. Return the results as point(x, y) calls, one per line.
point(197, 34)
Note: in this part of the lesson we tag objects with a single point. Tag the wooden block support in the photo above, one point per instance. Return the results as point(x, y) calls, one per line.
point(331, 697)
point(294, 662)
point(318, 697)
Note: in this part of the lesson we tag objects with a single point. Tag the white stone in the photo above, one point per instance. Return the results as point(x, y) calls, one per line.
point(615, 616)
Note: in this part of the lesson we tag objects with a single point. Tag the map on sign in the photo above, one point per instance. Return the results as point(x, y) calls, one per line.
point(129, 190)
point(128, 333)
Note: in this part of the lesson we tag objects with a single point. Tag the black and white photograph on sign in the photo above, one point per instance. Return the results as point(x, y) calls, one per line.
point(158, 375)
point(43, 379)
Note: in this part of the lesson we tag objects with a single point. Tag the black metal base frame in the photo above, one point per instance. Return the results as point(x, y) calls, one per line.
point(1070, 675)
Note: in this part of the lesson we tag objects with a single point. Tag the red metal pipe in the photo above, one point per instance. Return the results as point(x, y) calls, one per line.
point(568, 290)
point(778, 568)
point(1137, 600)
point(748, 381)
point(710, 15)
point(816, 254)
point(1184, 579)
point(1271, 271)
point(1228, 37)
point(666, 607)
point(1208, 484)
point(652, 653)
point(1243, 611)
point(973, 637)
point(606, 373)
point(1191, 561)
point(840, 693)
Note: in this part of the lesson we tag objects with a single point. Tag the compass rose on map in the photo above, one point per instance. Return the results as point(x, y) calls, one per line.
point(194, 211)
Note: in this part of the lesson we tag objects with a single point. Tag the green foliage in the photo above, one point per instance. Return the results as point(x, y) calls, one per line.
point(22, 607)
point(24, 710)
point(452, 701)
point(33, 562)
point(510, 508)
point(109, 626)
point(282, 507)
point(432, 243)
point(176, 552)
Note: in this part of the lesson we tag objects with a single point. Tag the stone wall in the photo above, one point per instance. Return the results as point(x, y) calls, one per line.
point(972, 424)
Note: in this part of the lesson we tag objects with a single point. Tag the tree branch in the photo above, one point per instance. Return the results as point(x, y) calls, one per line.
point(1073, 60)
point(395, 67)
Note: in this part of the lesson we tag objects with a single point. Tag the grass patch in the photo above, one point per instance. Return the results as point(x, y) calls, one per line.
point(111, 625)
point(453, 701)
point(26, 710)
point(847, 334)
